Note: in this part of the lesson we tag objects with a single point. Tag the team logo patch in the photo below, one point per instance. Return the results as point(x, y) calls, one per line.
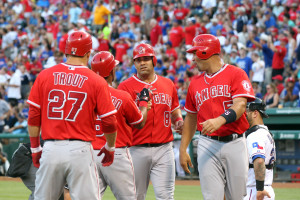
point(73, 50)
point(255, 145)
point(246, 85)
point(141, 50)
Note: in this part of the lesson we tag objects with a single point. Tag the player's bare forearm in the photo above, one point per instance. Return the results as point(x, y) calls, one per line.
point(239, 106)
point(110, 138)
point(144, 111)
point(259, 169)
point(34, 131)
point(189, 129)
point(175, 115)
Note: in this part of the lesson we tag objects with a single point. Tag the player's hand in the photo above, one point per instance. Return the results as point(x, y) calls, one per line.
point(179, 127)
point(185, 161)
point(144, 95)
point(108, 156)
point(36, 158)
point(212, 125)
point(260, 195)
point(149, 105)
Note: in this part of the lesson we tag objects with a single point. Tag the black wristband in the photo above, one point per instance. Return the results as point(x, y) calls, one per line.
point(229, 115)
point(260, 185)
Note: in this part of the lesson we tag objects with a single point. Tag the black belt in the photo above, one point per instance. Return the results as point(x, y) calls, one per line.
point(227, 138)
point(54, 140)
point(270, 166)
point(150, 145)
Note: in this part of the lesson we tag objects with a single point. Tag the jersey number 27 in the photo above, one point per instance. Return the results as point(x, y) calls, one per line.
point(57, 100)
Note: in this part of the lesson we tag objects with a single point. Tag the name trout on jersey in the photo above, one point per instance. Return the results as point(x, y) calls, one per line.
point(69, 79)
point(212, 92)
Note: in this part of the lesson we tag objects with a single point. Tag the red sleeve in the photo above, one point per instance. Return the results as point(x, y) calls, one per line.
point(34, 116)
point(105, 106)
point(241, 86)
point(109, 124)
point(190, 105)
point(132, 112)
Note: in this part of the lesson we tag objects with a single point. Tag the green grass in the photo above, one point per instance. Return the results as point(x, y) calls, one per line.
point(12, 190)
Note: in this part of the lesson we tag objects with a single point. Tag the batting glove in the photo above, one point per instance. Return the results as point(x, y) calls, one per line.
point(109, 154)
point(36, 155)
point(144, 95)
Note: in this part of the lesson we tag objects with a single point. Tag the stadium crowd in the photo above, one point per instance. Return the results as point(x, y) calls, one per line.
point(260, 36)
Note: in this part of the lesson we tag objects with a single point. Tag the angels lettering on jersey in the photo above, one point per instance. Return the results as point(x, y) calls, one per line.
point(212, 92)
point(158, 98)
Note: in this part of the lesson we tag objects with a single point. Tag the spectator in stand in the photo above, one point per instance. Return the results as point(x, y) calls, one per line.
point(4, 112)
point(170, 51)
point(290, 93)
point(258, 68)
point(100, 15)
point(270, 21)
point(257, 90)
point(82, 25)
point(160, 69)
point(176, 34)
point(74, 12)
point(190, 32)
point(233, 57)
point(2, 59)
point(155, 33)
point(215, 26)
point(121, 46)
point(63, 40)
point(279, 54)
point(244, 62)
point(103, 43)
point(278, 83)
point(180, 12)
point(126, 33)
point(20, 126)
point(267, 54)
point(271, 98)
point(35, 68)
point(14, 87)
point(147, 13)
point(242, 19)
point(135, 13)
point(25, 82)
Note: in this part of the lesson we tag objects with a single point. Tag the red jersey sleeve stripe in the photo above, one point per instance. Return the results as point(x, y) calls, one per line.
point(137, 122)
point(34, 104)
point(187, 110)
point(243, 95)
point(107, 114)
point(175, 109)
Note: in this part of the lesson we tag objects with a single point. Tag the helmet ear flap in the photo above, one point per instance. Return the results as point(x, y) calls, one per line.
point(154, 60)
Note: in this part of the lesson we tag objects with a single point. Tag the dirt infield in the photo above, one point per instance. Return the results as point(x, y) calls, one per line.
point(187, 182)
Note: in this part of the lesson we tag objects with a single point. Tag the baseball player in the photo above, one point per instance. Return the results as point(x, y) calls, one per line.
point(262, 155)
point(152, 152)
point(216, 104)
point(64, 101)
point(120, 175)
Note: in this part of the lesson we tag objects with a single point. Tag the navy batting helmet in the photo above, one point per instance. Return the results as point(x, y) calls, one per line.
point(258, 105)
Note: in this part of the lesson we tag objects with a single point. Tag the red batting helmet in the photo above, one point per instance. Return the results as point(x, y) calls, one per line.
point(103, 63)
point(205, 46)
point(144, 50)
point(78, 43)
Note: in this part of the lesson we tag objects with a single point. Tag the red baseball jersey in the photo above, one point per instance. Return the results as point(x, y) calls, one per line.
point(164, 101)
point(127, 114)
point(69, 98)
point(209, 97)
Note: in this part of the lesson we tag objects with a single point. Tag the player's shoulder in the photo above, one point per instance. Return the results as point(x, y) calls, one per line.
point(260, 133)
point(196, 79)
